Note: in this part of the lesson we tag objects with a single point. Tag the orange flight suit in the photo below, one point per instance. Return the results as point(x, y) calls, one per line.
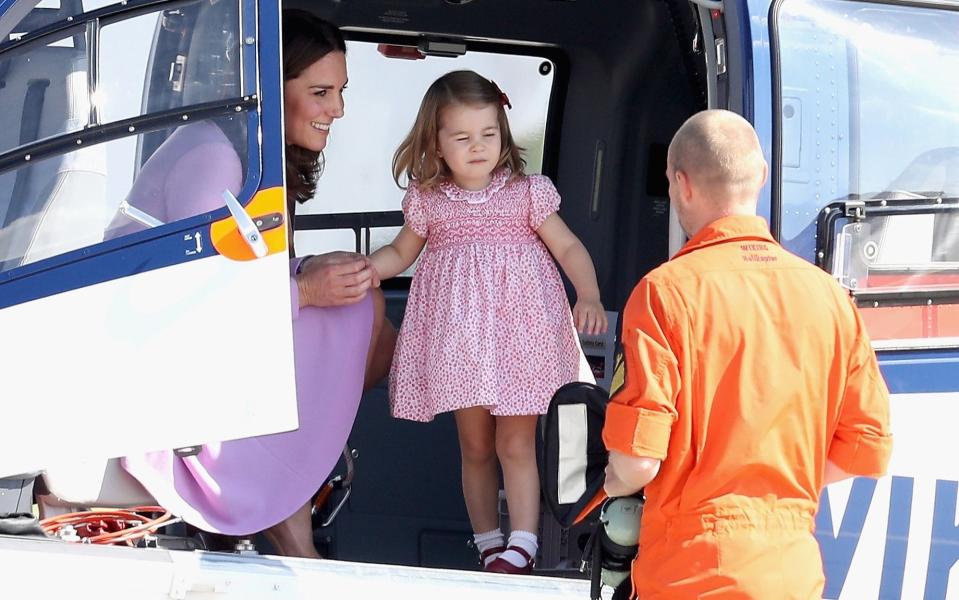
point(746, 368)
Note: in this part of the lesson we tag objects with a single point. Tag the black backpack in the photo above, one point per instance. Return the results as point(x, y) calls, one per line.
point(570, 451)
point(572, 462)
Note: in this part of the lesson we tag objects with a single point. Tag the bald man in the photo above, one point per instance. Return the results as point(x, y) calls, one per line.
point(750, 384)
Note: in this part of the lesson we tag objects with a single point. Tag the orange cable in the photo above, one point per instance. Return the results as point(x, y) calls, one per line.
point(129, 535)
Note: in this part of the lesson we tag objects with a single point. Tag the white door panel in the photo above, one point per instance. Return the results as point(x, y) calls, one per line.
point(168, 354)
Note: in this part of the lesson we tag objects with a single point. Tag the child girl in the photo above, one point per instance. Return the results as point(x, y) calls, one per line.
point(487, 332)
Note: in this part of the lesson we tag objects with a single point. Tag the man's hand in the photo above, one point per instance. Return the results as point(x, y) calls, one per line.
point(614, 486)
point(834, 473)
point(626, 475)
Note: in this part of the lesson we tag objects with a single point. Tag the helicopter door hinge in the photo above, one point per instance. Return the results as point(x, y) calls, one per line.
point(855, 210)
point(720, 56)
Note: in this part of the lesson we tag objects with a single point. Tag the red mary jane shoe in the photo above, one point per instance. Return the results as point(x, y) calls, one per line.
point(488, 553)
point(501, 565)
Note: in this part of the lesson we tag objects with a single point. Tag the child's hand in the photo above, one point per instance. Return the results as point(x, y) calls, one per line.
point(339, 257)
point(589, 317)
point(376, 274)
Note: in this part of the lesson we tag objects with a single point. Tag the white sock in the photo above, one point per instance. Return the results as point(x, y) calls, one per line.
point(485, 541)
point(524, 540)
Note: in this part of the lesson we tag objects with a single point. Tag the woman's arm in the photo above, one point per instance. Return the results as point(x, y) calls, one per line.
point(574, 259)
point(397, 256)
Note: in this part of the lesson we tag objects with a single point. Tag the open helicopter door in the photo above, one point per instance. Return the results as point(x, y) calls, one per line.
point(722, 48)
point(144, 279)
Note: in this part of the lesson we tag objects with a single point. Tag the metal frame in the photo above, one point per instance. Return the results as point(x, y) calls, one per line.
point(359, 222)
point(856, 209)
point(67, 142)
point(105, 16)
point(248, 106)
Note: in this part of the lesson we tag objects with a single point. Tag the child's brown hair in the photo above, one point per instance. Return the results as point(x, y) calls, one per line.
point(417, 156)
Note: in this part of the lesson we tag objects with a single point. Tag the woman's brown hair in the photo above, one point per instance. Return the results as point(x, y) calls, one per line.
point(417, 157)
point(306, 39)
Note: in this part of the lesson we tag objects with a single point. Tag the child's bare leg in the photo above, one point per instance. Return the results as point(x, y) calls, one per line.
point(516, 448)
point(477, 430)
point(382, 343)
point(294, 535)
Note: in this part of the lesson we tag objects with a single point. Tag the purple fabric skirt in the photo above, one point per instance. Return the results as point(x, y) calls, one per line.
point(244, 486)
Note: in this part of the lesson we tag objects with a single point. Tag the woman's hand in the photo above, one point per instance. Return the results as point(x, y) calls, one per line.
point(335, 279)
point(589, 317)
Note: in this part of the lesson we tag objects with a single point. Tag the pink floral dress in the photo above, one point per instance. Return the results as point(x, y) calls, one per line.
point(487, 322)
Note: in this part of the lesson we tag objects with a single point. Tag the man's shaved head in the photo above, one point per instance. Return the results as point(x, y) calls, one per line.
point(719, 151)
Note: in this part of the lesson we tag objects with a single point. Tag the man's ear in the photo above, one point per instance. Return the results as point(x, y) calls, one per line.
point(684, 186)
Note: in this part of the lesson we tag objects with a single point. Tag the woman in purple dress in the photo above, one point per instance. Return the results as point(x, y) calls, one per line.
point(342, 342)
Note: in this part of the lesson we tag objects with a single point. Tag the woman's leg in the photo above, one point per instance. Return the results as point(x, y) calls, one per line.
point(382, 343)
point(477, 430)
point(294, 535)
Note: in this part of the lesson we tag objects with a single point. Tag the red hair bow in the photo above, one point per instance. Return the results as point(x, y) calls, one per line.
point(503, 98)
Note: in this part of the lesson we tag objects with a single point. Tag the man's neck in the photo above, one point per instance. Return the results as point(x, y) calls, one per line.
point(721, 212)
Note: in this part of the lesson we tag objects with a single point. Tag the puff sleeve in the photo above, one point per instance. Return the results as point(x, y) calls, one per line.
point(414, 211)
point(543, 200)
